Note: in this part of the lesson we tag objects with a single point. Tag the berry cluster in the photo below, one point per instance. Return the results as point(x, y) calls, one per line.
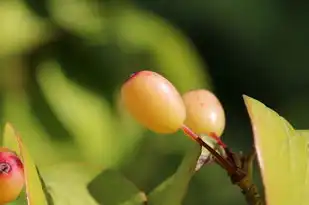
point(154, 101)
point(11, 176)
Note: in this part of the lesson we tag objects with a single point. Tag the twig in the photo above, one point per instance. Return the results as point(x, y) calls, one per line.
point(238, 166)
point(249, 189)
point(220, 160)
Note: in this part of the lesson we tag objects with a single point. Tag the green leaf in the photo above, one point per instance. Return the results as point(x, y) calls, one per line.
point(169, 47)
point(45, 189)
point(94, 129)
point(102, 188)
point(35, 193)
point(18, 110)
point(304, 133)
point(82, 17)
point(173, 190)
point(67, 183)
point(282, 154)
point(21, 199)
point(15, 39)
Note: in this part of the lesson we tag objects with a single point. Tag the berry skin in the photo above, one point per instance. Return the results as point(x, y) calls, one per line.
point(205, 114)
point(154, 102)
point(11, 176)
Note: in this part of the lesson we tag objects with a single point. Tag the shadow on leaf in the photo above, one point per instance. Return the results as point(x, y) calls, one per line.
point(126, 193)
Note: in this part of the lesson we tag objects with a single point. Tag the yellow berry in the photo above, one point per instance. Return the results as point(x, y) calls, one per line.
point(154, 102)
point(205, 114)
point(11, 176)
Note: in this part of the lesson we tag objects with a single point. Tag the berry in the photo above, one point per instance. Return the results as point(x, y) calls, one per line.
point(205, 114)
point(154, 102)
point(11, 176)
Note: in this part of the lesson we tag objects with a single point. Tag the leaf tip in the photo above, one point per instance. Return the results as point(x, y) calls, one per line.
point(8, 127)
point(247, 99)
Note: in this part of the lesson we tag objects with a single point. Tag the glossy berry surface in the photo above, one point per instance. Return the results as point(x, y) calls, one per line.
point(205, 114)
point(11, 176)
point(153, 101)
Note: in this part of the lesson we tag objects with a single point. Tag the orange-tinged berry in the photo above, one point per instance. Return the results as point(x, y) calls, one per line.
point(11, 176)
point(205, 114)
point(154, 102)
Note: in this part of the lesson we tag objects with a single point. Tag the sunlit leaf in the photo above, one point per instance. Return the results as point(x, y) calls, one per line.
point(45, 189)
point(282, 154)
point(17, 110)
point(35, 194)
point(86, 115)
point(67, 183)
point(174, 189)
point(20, 30)
point(304, 133)
point(82, 17)
point(125, 193)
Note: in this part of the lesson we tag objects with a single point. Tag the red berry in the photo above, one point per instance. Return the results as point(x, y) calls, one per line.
point(11, 176)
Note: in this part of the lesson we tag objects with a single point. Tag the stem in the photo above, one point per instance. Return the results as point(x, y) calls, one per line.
point(249, 189)
point(231, 169)
point(239, 168)
point(252, 194)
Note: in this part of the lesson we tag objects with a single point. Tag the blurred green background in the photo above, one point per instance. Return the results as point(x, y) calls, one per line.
point(62, 63)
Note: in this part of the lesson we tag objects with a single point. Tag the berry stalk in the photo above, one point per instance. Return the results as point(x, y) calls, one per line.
point(221, 161)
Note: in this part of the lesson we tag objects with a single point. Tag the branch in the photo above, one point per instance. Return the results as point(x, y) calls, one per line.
point(238, 167)
point(249, 189)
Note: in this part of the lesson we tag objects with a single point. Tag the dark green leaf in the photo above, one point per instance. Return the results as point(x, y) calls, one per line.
point(173, 190)
point(112, 188)
point(67, 183)
point(45, 189)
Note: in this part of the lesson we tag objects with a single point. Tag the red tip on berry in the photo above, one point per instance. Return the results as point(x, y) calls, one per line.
point(134, 74)
point(218, 140)
point(137, 73)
